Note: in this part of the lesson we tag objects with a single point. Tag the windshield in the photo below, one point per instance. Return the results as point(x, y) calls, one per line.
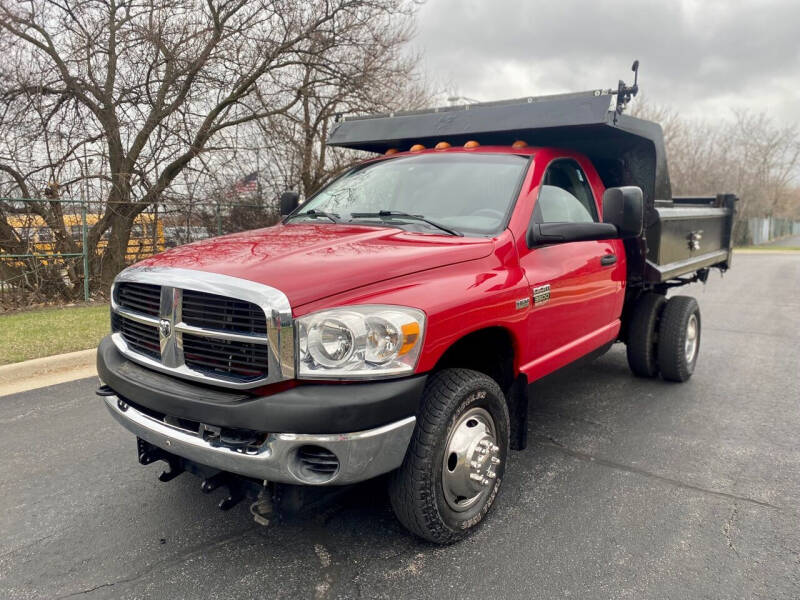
point(468, 193)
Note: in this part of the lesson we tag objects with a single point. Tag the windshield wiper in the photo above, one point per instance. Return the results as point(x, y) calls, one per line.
point(389, 214)
point(313, 213)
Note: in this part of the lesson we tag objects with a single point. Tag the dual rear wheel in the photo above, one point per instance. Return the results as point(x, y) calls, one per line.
point(664, 336)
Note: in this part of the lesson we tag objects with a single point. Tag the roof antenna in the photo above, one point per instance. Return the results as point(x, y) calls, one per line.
point(625, 93)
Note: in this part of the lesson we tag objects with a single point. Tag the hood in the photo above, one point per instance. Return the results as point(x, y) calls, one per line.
point(308, 262)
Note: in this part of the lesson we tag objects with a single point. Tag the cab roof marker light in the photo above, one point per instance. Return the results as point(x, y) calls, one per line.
point(417, 148)
point(520, 144)
point(442, 146)
point(471, 144)
point(391, 151)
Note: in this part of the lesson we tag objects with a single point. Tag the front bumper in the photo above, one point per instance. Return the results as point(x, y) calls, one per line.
point(314, 408)
point(361, 455)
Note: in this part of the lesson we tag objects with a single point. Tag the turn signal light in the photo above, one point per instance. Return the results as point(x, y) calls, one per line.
point(471, 144)
point(410, 337)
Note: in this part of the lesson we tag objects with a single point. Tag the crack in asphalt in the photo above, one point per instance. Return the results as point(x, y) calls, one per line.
point(574, 419)
point(726, 528)
point(28, 545)
point(177, 559)
point(553, 443)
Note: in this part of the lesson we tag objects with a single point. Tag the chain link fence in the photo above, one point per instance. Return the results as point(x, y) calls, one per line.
point(44, 243)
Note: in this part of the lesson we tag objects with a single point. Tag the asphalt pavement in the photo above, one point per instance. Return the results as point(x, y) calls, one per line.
point(629, 488)
point(792, 241)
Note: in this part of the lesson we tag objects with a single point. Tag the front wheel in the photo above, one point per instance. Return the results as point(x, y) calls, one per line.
point(455, 461)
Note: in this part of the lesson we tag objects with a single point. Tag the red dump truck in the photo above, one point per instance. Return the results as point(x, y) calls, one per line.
point(392, 323)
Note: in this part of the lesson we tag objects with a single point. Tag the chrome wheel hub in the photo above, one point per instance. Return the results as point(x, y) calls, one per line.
point(470, 460)
point(692, 331)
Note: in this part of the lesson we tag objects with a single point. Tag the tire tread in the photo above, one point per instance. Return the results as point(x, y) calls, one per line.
point(410, 487)
point(641, 346)
point(672, 330)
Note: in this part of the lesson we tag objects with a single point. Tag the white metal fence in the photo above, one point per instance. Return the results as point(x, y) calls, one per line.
point(766, 229)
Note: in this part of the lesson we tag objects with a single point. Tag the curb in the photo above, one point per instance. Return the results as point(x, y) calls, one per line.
point(39, 372)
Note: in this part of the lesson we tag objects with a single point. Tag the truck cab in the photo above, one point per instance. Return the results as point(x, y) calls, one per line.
point(392, 323)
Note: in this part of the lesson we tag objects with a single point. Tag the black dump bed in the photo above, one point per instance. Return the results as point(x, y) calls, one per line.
point(682, 235)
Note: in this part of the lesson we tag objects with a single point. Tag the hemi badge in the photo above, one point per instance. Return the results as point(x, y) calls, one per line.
point(523, 303)
point(541, 294)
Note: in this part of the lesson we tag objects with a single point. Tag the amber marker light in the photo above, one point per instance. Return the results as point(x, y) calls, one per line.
point(442, 145)
point(471, 144)
point(410, 337)
point(520, 144)
point(391, 151)
point(417, 147)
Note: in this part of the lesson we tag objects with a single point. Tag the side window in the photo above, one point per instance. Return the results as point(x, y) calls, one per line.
point(565, 195)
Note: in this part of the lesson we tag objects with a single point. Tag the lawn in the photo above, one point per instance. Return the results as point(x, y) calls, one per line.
point(45, 332)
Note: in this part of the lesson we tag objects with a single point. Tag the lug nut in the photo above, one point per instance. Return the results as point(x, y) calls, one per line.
point(491, 474)
point(476, 477)
point(495, 460)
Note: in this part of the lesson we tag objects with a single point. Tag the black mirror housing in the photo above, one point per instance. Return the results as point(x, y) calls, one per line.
point(289, 201)
point(541, 234)
point(623, 207)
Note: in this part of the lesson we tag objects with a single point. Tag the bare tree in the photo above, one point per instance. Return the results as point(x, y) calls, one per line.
point(146, 88)
point(746, 153)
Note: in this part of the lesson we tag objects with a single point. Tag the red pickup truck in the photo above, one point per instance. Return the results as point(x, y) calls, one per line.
point(393, 323)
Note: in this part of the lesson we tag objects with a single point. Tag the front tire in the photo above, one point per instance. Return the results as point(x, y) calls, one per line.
point(455, 461)
point(679, 338)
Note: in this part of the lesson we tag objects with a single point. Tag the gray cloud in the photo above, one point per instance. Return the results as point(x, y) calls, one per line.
point(702, 58)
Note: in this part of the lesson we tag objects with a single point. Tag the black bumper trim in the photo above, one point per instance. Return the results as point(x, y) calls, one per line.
point(311, 408)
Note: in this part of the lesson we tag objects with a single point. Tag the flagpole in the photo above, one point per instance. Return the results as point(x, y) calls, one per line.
point(258, 176)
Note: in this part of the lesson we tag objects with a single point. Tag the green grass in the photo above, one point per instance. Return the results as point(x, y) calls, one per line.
point(46, 332)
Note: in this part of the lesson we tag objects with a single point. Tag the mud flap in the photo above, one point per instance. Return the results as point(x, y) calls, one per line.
point(518, 413)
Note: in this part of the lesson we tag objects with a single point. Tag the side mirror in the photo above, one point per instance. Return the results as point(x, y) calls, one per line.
point(624, 208)
point(289, 202)
point(541, 234)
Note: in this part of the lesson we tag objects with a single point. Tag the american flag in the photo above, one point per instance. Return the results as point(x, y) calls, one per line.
point(246, 185)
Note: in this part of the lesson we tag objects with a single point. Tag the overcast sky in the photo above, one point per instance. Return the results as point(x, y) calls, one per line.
point(701, 58)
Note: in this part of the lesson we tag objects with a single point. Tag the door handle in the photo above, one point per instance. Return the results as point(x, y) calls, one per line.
point(608, 260)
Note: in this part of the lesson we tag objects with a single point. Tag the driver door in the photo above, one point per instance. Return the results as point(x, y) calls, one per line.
point(577, 288)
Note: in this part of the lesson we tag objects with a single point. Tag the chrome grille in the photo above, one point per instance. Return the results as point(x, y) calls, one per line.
point(237, 340)
point(225, 314)
point(227, 357)
point(142, 297)
point(141, 338)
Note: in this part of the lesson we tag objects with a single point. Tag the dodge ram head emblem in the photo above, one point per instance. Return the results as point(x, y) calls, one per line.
point(164, 328)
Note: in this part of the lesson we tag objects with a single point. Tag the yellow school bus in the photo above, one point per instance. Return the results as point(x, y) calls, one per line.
point(147, 234)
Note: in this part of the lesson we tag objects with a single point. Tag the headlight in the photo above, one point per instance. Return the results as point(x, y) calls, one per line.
point(360, 342)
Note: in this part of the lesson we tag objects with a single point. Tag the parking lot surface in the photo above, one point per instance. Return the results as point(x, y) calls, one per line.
point(629, 488)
